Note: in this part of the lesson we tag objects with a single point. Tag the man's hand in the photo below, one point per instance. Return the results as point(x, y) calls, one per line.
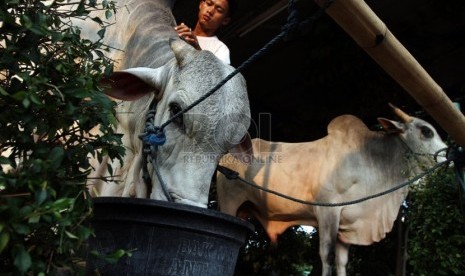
point(188, 35)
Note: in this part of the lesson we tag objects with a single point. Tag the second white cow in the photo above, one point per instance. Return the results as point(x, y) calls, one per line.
point(350, 163)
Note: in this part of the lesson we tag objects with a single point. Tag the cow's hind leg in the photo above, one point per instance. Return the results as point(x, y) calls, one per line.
point(342, 257)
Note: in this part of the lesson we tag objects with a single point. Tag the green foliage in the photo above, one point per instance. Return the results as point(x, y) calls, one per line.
point(113, 257)
point(50, 100)
point(376, 259)
point(436, 244)
point(294, 254)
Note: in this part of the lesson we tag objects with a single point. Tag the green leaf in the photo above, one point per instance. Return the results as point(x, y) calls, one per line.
point(101, 33)
point(22, 260)
point(35, 99)
point(63, 203)
point(25, 211)
point(26, 21)
point(98, 20)
point(3, 91)
point(41, 196)
point(26, 102)
point(4, 239)
point(85, 232)
point(108, 14)
point(56, 157)
point(56, 36)
point(20, 95)
point(21, 229)
point(118, 253)
point(4, 160)
point(34, 219)
point(71, 235)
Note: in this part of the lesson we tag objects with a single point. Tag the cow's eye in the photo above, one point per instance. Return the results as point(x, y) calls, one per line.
point(427, 132)
point(175, 109)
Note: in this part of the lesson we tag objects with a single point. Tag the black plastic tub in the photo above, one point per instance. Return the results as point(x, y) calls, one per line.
point(167, 238)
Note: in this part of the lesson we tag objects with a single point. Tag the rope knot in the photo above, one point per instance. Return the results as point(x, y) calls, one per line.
point(154, 137)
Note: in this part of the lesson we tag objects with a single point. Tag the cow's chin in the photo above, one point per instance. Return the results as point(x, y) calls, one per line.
point(178, 199)
point(181, 200)
point(190, 202)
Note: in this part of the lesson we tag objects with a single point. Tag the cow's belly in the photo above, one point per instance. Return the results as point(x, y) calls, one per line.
point(277, 214)
point(274, 228)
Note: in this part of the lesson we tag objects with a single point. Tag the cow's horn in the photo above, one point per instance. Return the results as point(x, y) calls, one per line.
point(180, 49)
point(401, 114)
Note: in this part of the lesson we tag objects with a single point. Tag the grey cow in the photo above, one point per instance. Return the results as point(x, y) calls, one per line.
point(152, 62)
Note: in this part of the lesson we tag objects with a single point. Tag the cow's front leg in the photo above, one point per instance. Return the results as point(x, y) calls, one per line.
point(327, 257)
point(342, 257)
point(328, 221)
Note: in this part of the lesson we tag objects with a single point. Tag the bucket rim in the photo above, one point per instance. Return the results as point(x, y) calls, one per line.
point(180, 207)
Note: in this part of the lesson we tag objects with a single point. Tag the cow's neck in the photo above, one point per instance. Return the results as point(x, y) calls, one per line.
point(413, 162)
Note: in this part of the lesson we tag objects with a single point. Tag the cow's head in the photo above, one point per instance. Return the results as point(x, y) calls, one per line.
point(195, 141)
point(418, 135)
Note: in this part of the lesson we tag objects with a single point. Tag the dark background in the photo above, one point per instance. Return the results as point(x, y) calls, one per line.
point(322, 73)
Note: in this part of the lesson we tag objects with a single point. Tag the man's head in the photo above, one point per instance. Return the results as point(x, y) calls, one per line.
point(215, 13)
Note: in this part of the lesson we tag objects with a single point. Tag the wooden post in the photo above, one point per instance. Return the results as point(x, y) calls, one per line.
point(370, 33)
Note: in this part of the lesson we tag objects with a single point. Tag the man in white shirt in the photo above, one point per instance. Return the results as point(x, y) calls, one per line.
point(212, 15)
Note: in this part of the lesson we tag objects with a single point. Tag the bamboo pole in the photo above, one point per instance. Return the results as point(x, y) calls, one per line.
point(370, 33)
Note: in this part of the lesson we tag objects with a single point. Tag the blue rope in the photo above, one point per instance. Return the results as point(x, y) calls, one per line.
point(151, 139)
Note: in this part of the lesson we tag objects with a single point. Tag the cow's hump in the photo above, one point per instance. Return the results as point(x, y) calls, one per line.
point(347, 125)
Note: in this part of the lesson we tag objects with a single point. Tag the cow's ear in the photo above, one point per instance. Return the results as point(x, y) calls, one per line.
point(182, 51)
point(134, 83)
point(244, 150)
point(391, 126)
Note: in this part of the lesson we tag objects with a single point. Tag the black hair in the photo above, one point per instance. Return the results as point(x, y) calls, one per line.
point(232, 7)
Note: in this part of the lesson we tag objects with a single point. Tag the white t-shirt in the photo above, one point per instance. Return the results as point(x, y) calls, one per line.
point(216, 46)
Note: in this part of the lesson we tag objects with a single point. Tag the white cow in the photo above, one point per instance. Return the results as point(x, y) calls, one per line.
point(351, 162)
point(155, 63)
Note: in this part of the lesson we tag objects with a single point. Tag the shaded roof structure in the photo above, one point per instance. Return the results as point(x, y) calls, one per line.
point(302, 83)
